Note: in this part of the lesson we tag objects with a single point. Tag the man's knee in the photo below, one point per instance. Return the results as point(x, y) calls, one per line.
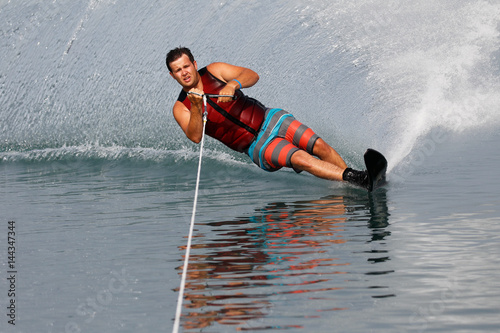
point(301, 160)
point(322, 148)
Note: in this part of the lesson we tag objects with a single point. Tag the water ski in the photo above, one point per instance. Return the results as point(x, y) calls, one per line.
point(376, 165)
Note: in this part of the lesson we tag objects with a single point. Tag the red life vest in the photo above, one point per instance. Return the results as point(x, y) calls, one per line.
point(235, 123)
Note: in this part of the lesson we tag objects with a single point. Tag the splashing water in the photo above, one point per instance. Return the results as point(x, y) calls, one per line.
point(370, 73)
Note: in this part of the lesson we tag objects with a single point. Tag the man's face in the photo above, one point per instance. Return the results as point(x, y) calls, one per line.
point(185, 72)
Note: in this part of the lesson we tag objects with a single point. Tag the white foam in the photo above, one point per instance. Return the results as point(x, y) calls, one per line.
point(115, 152)
point(360, 73)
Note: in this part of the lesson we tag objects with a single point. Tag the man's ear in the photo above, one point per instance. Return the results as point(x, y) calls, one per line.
point(195, 65)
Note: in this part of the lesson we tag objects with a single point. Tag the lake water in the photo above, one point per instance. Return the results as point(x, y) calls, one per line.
point(99, 181)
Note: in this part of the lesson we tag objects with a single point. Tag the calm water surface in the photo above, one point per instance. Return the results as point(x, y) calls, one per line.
point(100, 248)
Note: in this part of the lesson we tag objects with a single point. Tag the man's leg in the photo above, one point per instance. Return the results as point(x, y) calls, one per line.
point(281, 153)
point(329, 165)
point(326, 153)
point(305, 139)
point(297, 146)
point(302, 160)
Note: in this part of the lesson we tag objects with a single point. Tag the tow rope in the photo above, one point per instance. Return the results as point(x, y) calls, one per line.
point(191, 227)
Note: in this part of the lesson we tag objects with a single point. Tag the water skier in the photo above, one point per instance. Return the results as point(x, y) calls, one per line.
point(272, 138)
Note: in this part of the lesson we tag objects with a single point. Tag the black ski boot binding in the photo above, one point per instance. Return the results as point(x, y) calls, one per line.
point(359, 178)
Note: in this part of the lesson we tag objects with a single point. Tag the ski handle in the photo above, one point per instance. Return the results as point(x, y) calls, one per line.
point(210, 95)
point(205, 96)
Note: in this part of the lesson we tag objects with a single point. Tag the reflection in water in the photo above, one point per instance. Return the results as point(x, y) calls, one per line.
point(244, 269)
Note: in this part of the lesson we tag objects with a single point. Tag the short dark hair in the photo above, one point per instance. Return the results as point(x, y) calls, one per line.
point(176, 53)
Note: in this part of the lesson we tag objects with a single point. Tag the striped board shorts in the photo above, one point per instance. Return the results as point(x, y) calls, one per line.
point(280, 136)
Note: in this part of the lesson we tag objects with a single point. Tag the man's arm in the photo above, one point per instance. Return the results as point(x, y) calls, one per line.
point(191, 121)
point(233, 76)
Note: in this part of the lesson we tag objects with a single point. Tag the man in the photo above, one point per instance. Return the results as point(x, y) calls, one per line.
point(271, 137)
